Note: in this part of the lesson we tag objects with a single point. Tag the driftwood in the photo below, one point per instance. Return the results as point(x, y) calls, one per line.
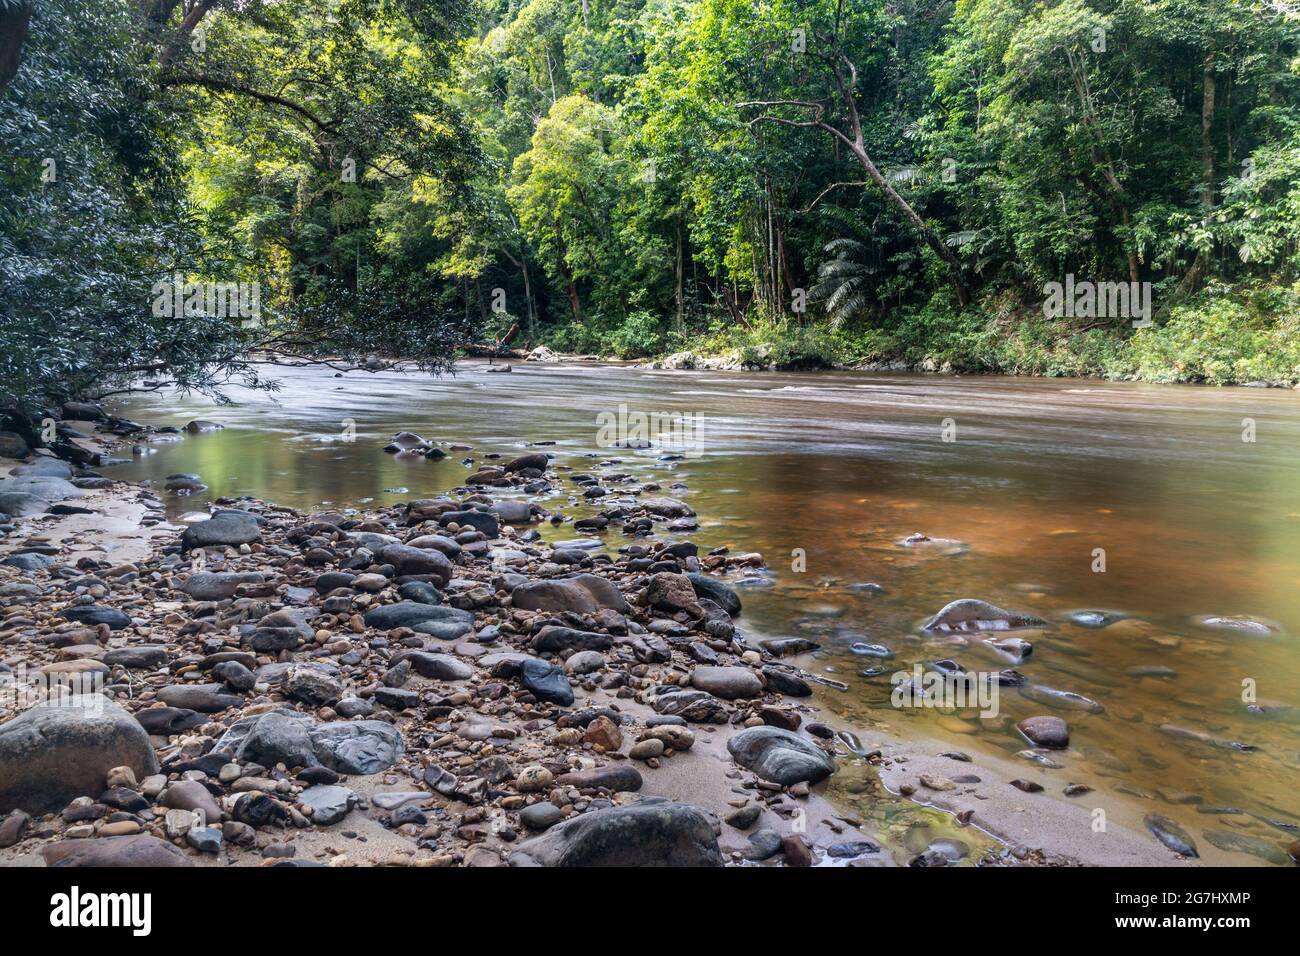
point(498, 349)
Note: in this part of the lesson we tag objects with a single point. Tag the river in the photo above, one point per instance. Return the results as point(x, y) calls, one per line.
point(1160, 503)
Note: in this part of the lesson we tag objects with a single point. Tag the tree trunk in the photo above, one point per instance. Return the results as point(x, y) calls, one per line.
point(678, 291)
point(528, 299)
point(13, 33)
point(927, 234)
point(1195, 275)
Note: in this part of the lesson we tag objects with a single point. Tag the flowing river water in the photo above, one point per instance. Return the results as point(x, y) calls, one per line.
point(1160, 503)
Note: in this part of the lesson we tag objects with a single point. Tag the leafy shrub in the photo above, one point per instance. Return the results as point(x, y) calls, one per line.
point(1223, 338)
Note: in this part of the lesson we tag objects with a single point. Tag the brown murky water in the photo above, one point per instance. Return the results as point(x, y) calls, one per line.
point(1027, 479)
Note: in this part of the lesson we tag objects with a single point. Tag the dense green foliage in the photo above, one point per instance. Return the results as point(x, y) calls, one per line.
point(217, 141)
point(797, 181)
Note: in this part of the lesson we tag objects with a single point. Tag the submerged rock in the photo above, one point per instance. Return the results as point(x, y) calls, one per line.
point(969, 614)
point(1052, 732)
point(1240, 624)
point(1170, 834)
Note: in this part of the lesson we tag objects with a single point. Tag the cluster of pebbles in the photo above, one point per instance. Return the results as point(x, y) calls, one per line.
point(424, 684)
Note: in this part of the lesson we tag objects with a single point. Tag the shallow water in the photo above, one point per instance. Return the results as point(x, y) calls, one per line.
point(841, 467)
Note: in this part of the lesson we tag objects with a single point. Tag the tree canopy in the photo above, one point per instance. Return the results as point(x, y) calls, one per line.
point(402, 177)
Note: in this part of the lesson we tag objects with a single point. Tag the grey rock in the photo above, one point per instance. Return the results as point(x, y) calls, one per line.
point(695, 706)
point(780, 756)
point(437, 666)
point(227, 528)
point(22, 504)
point(582, 594)
point(205, 698)
point(729, 683)
point(56, 751)
point(648, 833)
point(329, 804)
point(969, 614)
point(616, 777)
point(546, 681)
point(137, 850)
point(218, 585)
point(137, 657)
point(540, 816)
point(41, 486)
point(1050, 732)
point(269, 739)
point(481, 521)
point(783, 682)
point(555, 640)
point(314, 686)
point(357, 746)
point(715, 591)
point(1170, 834)
point(408, 560)
point(204, 839)
point(94, 614)
point(409, 614)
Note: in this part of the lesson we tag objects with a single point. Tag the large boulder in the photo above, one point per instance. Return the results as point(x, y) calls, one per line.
point(649, 833)
point(48, 487)
point(63, 749)
point(48, 467)
point(969, 614)
point(13, 445)
point(22, 504)
point(514, 512)
point(780, 756)
point(84, 412)
point(226, 528)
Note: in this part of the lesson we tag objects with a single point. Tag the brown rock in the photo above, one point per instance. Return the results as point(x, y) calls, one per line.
point(603, 733)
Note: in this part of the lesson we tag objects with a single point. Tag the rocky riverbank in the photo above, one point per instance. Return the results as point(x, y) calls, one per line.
point(433, 684)
point(426, 685)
